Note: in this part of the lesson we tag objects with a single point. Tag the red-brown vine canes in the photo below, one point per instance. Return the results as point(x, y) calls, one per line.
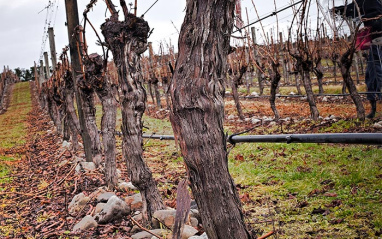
point(127, 40)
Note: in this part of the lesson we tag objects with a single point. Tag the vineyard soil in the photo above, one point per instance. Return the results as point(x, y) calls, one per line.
point(296, 190)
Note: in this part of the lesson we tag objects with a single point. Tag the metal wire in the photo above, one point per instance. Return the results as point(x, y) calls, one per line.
point(336, 138)
point(149, 8)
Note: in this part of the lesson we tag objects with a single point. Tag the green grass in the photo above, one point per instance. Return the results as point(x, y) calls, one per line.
point(12, 125)
point(287, 182)
point(280, 177)
point(275, 171)
point(12, 122)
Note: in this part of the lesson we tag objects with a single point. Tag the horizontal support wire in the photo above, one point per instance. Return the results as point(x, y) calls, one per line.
point(336, 138)
point(298, 96)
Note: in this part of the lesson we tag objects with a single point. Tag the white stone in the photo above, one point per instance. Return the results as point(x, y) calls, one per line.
point(325, 99)
point(114, 209)
point(164, 216)
point(378, 125)
point(77, 203)
point(144, 234)
point(66, 145)
point(104, 197)
point(85, 166)
point(126, 186)
point(86, 223)
point(188, 231)
point(203, 236)
point(231, 117)
point(255, 120)
point(332, 117)
point(292, 93)
point(99, 207)
point(254, 93)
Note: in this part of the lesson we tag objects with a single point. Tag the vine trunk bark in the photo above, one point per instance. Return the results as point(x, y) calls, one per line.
point(128, 40)
point(197, 115)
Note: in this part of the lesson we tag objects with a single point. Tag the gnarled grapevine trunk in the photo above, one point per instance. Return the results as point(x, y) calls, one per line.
point(236, 81)
point(304, 66)
point(72, 119)
point(52, 107)
point(86, 92)
point(345, 64)
point(197, 115)
point(317, 69)
point(309, 92)
point(274, 84)
point(128, 40)
point(102, 87)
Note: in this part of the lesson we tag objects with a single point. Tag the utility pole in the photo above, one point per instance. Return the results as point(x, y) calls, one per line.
point(52, 47)
point(47, 65)
point(72, 22)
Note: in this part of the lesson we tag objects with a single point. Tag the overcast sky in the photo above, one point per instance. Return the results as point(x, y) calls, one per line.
point(22, 24)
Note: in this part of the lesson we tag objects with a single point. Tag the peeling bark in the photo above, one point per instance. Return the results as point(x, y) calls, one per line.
point(128, 40)
point(317, 69)
point(236, 81)
point(109, 115)
point(197, 115)
point(71, 115)
point(309, 94)
point(86, 92)
point(345, 64)
point(276, 76)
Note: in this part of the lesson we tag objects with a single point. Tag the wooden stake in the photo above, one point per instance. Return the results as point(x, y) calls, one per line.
point(52, 47)
point(73, 21)
point(47, 68)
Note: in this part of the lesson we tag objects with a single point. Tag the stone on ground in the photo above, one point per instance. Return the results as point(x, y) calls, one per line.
point(85, 167)
point(188, 231)
point(203, 236)
point(135, 201)
point(167, 217)
point(146, 235)
point(114, 209)
point(77, 203)
point(104, 197)
point(86, 223)
point(125, 187)
point(99, 207)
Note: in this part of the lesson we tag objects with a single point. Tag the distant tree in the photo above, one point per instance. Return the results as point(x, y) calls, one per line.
point(28, 75)
point(19, 72)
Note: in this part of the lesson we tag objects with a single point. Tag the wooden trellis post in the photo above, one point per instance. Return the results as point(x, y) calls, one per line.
point(73, 22)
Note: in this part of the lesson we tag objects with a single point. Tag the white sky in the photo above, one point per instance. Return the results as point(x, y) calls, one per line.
point(22, 26)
